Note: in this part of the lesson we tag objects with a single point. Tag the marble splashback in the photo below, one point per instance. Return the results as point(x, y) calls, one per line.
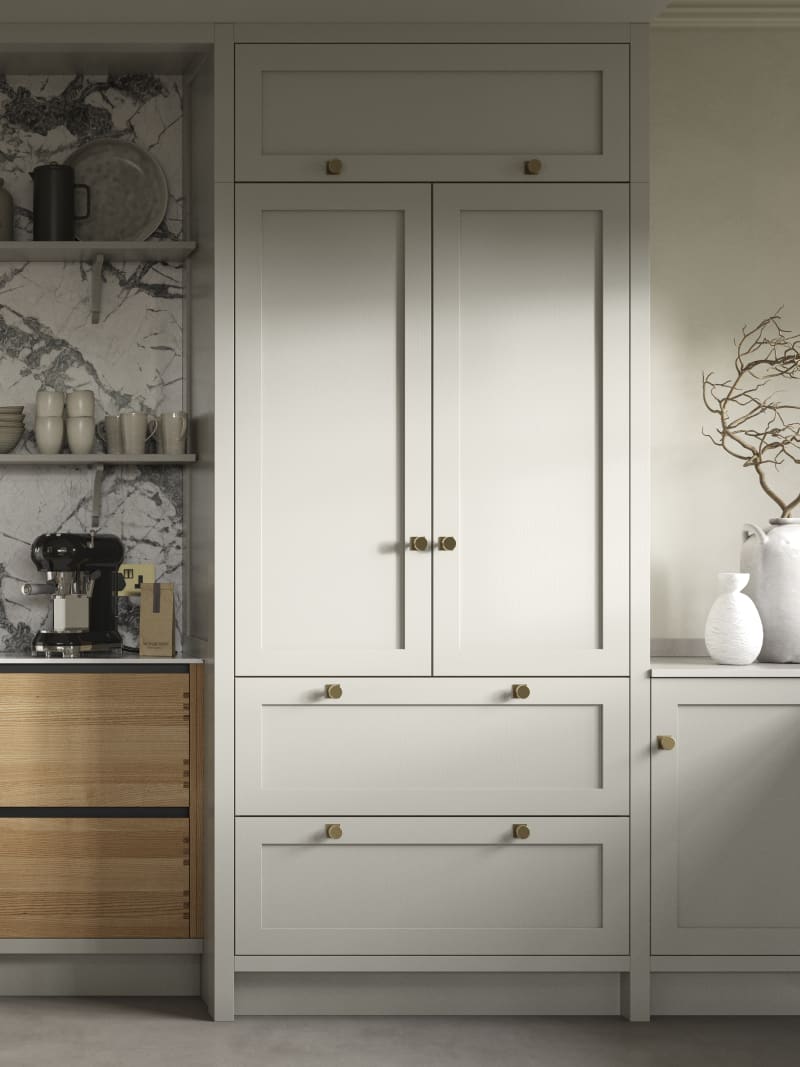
point(132, 359)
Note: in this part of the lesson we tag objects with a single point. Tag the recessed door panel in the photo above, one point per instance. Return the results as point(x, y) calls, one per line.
point(333, 430)
point(530, 412)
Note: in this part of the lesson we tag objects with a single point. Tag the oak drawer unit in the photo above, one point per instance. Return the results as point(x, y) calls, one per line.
point(432, 747)
point(482, 886)
point(432, 112)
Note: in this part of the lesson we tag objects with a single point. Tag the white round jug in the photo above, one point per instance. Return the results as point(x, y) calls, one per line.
point(773, 562)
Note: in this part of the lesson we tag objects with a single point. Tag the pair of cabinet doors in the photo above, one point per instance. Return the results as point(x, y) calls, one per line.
point(446, 361)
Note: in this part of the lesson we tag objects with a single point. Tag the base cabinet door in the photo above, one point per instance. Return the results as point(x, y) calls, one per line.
point(86, 877)
point(726, 798)
point(429, 886)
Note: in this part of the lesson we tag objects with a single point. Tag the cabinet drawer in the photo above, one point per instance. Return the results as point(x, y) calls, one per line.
point(104, 740)
point(418, 747)
point(431, 887)
point(94, 877)
point(431, 112)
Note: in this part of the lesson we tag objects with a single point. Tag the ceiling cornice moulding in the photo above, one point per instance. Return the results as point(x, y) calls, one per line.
point(686, 14)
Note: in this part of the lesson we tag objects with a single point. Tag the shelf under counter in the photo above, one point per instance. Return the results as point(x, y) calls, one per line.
point(703, 667)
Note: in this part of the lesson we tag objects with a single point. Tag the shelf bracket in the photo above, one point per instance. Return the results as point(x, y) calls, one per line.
point(97, 499)
point(97, 285)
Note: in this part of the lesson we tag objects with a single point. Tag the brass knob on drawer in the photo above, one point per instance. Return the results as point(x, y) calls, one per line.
point(333, 831)
point(533, 166)
point(447, 544)
point(333, 691)
point(666, 742)
point(334, 166)
point(521, 831)
point(418, 544)
point(520, 692)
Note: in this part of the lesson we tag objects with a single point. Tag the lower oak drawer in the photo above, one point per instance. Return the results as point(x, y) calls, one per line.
point(431, 886)
point(72, 877)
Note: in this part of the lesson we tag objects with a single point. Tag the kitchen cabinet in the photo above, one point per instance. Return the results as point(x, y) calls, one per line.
point(101, 801)
point(522, 564)
point(431, 886)
point(726, 866)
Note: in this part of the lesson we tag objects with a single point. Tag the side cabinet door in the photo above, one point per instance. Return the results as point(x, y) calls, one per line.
point(726, 864)
point(531, 429)
point(332, 429)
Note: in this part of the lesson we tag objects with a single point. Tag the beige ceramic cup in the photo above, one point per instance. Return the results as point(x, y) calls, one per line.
point(49, 403)
point(172, 427)
point(49, 433)
point(137, 429)
point(110, 431)
point(80, 404)
point(80, 435)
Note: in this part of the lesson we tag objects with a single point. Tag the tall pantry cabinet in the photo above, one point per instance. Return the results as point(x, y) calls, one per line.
point(432, 477)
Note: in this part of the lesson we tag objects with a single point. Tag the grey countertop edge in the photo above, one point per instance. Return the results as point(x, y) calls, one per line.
point(117, 662)
point(703, 667)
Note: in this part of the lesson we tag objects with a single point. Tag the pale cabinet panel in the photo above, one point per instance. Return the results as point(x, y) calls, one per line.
point(431, 887)
point(432, 747)
point(332, 429)
point(530, 429)
point(726, 798)
point(431, 112)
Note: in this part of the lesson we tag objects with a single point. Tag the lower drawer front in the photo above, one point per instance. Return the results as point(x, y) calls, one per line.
point(94, 877)
point(431, 886)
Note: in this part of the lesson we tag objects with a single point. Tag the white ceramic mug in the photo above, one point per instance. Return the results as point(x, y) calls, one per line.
point(110, 432)
point(80, 435)
point(49, 432)
point(49, 403)
point(172, 427)
point(137, 429)
point(80, 404)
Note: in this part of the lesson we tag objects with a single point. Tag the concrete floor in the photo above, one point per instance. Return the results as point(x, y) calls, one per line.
point(175, 1033)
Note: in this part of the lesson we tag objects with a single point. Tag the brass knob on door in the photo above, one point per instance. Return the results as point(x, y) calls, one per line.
point(521, 831)
point(520, 692)
point(666, 742)
point(333, 831)
point(447, 544)
point(333, 691)
point(334, 166)
point(418, 544)
point(533, 166)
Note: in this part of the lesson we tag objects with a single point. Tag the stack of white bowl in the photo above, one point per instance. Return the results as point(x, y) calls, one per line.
point(12, 426)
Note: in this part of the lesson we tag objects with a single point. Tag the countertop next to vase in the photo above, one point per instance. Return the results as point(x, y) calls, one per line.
point(9, 661)
point(703, 667)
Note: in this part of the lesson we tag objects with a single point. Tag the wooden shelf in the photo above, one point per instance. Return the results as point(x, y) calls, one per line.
point(87, 251)
point(93, 459)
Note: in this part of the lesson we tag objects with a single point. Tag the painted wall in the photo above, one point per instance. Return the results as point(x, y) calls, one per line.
point(132, 359)
point(725, 246)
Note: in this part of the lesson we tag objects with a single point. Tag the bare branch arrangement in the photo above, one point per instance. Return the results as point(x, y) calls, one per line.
point(755, 425)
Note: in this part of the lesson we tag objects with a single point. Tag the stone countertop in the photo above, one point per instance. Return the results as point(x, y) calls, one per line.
point(703, 667)
point(118, 662)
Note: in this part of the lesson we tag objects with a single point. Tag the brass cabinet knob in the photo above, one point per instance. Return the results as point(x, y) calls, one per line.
point(418, 544)
point(333, 831)
point(334, 166)
point(520, 692)
point(333, 691)
point(666, 742)
point(533, 166)
point(521, 831)
point(447, 544)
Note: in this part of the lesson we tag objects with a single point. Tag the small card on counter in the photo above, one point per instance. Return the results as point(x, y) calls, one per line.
point(157, 619)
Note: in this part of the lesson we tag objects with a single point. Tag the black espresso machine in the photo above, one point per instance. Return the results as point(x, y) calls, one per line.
point(83, 583)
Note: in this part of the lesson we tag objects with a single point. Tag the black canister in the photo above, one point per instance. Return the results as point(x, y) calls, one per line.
point(54, 202)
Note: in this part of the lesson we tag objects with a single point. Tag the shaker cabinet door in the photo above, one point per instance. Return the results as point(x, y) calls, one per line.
point(332, 430)
point(530, 430)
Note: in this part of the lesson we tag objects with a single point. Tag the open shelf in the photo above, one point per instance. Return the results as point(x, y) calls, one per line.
point(92, 459)
point(87, 251)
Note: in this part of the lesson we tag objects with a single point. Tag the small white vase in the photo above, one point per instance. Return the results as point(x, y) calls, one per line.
point(734, 633)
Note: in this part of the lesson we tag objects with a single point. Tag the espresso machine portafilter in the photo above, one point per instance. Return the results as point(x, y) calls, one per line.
point(83, 582)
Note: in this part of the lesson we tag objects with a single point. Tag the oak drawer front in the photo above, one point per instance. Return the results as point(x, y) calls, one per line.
point(561, 751)
point(94, 877)
point(104, 740)
point(431, 887)
point(431, 112)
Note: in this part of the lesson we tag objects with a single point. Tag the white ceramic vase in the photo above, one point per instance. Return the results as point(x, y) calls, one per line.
point(734, 633)
point(773, 562)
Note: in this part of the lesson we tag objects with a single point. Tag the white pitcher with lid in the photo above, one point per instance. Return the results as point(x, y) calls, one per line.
point(773, 562)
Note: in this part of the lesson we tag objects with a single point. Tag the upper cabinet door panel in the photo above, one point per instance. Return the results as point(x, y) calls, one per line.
point(332, 430)
point(432, 112)
point(530, 438)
